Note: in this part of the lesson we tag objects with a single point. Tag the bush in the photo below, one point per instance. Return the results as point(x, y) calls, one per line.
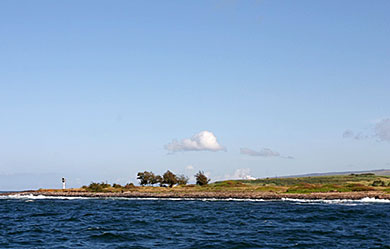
point(98, 187)
point(316, 188)
point(129, 185)
point(182, 180)
point(116, 185)
point(378, 183)
point(359, 187)
point(201, 179)
point(229, 183)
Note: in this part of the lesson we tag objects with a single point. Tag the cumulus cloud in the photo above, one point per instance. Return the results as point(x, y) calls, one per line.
point(203, 141)
point(265, 152)
point(382, 130)
point(241, 174)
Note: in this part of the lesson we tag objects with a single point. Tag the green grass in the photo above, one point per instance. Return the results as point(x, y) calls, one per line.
point(364, 179)
point(326, 188)
point(316, 184)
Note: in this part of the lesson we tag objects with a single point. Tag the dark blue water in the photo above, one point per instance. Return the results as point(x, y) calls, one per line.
point(118, 223)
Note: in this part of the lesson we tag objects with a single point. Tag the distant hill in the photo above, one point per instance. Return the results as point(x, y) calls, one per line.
point(379, 172)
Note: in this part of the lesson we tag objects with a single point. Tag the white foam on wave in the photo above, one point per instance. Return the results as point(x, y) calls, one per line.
point(339, 201)
point(336, 201)
point(368, 199)
point(182, 199)
point(40, 197)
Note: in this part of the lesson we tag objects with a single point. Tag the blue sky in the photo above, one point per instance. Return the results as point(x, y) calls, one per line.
point(97, 90)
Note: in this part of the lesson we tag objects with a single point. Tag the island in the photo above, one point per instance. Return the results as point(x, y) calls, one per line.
point(326, 187)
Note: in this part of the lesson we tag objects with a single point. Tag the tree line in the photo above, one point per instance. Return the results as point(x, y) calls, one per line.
point(169, 179)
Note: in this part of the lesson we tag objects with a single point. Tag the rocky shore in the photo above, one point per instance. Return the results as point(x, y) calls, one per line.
point(212, 195)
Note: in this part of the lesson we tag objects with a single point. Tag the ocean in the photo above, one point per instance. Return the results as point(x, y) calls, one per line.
point(42, 222)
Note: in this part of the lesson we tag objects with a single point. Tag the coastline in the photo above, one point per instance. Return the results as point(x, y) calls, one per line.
point(210, 195)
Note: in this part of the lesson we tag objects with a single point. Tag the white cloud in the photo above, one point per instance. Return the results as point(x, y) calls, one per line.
point(190, 167)
point(241, 174)
point(203, 141)
point(265, 152)
point(382, 130)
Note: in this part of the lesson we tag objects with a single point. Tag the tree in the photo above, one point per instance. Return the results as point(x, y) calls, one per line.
point(201, 178)
point(143, 178)
point(182, 180)
point(160, 180)
point(169, 178)
point(152, 179)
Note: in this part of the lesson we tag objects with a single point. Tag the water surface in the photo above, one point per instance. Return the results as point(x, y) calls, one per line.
point(132, 223)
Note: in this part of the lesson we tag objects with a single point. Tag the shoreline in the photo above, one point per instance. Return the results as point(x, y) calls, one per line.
point(211, 195)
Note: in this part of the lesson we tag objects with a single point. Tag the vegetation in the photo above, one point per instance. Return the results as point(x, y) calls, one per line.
point(146, 178)
point(302, 185)
point(116, 185)
point(169, 178)
point(201, 179)
point(97, 187)
point(182, 180)
point(365, 179)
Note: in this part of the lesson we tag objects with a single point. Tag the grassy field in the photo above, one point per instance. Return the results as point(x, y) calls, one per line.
point(315, 184)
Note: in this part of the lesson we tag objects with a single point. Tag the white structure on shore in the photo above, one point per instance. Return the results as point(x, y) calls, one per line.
point(63, 183)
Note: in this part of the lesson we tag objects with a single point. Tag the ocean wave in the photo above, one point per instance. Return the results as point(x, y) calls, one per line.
point(41, 197)
point(182, 199)
point(339, 201)
point(336, 201)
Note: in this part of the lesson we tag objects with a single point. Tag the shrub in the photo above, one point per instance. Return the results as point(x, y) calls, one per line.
point(359, 187)
point(129, 185)
point(229, 183)
point(316, 188)
point(98, 187)
point(116, 185)
point(201, 179)
point(182, 180)
point(377, 183)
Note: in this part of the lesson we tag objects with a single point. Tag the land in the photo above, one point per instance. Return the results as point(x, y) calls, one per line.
point(327, 187)
point(381, 172)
